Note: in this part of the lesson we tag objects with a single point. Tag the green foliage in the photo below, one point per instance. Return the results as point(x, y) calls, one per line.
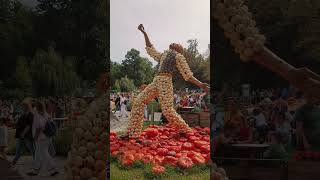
point(53, 75)
point(115, 69)
point(73, 28)
point(125, 84)
point(137, 68)
point(23, 77)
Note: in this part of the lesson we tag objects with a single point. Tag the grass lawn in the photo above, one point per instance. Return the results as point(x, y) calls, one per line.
point(117, 173)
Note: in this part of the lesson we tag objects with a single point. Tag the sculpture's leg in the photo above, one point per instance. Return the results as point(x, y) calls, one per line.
point(137, 112)
point(165, 89)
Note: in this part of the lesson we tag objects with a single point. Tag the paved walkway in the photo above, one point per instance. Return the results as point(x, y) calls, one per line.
point(118, 123)
point(8, 173)
point(23, 166)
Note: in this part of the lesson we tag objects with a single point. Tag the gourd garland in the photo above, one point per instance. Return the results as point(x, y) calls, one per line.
point(88, 155)
point(239, 27)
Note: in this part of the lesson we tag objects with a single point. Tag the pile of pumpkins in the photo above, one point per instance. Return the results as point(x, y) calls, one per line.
point(239, 27)
point(218, 173)
point(161, 146)
point(87, 158)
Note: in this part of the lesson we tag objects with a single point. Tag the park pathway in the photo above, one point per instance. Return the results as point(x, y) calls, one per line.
point(119, 124)
point(24, 165)
point(7, 173)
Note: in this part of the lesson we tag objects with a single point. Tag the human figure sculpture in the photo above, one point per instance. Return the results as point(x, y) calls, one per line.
point(162, 87)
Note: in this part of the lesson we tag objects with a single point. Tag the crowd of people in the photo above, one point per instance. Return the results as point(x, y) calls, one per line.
point(11, 110)
point(31, 131)
point(182, 98)
point(274, 116)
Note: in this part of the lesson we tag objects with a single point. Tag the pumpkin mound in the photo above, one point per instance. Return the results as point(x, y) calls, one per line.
point(162, 145)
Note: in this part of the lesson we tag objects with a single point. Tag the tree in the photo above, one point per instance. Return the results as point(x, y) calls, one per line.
point(126, 84)
point(77, 28)
point(23, 76)
point(137, 68)
point(52, 75)
point(115, 72)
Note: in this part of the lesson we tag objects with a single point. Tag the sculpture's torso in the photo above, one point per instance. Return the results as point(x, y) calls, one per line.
point(168, 62)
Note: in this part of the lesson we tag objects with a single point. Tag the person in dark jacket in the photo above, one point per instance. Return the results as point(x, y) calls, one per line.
point(23, 133)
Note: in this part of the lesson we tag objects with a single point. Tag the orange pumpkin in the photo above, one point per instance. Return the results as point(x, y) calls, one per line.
point(198, 159)
point(147, 159)
point(127, 159)
point(185, 163)
point(157, 169)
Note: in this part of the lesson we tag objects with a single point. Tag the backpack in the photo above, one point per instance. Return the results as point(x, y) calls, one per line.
point(50, 129)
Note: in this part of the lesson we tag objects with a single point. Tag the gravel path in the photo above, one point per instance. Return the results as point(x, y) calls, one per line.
point(118, 124)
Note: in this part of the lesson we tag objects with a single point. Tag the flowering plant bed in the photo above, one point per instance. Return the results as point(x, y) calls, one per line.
point(160, 150)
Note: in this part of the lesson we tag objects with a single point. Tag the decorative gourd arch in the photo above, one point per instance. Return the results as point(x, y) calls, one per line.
point(239, 27)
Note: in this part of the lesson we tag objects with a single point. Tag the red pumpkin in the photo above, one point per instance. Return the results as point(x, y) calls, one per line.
point(185, 163)
point(183, 140)
point(138, 156)
point(127, 159)
point(199, 144)
point(158, 160)
point(207, 130)
point(147, 159)
point(187, 146)
point(151, 132)
point(162, 151)
point(114, 153)
point(164, 137)
point(198, 159)
point(193, 138)
point(170, 160)
point(157, 169)
point(206, 138)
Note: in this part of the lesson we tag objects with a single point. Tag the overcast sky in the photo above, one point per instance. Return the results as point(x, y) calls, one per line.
point(165, 21)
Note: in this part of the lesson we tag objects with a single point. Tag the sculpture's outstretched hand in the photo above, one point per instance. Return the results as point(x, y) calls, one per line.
point(141, 28)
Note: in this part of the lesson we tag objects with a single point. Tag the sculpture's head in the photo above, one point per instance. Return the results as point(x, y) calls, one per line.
point(176, 47)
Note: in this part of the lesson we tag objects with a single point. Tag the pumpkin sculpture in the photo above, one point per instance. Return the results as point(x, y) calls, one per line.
point(162, 87)
point(239, 27)
point(88, 155)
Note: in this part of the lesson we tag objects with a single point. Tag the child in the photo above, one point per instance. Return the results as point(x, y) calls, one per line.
point(276, 149)
point(3, 138)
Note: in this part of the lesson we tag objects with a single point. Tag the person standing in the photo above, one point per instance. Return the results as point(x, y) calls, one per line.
point(23, 133)
point(42, 142)
point(123, 103)
point(3, 138)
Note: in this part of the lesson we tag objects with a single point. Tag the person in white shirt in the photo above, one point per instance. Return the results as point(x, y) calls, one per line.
point(123, 103)
point(42, 142)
